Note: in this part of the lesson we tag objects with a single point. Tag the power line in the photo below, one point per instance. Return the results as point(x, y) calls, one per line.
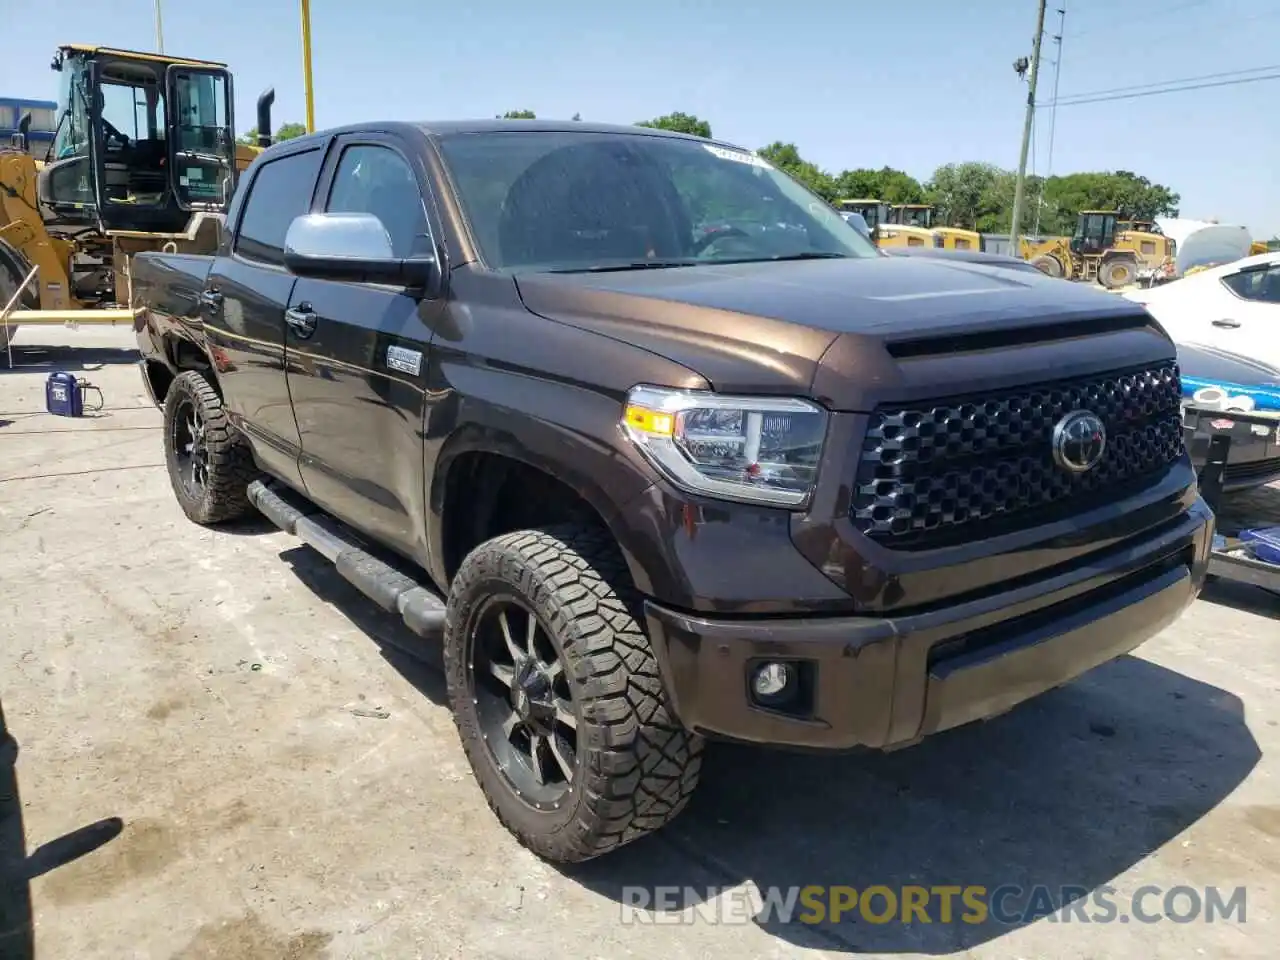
point(1163, 13)
point(1182, 89)
point(1165, 83)
point(1158, 30)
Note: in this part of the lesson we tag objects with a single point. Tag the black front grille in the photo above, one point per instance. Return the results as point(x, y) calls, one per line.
point(943, 471)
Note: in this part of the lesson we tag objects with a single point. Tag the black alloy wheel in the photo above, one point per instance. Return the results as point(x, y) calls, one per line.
point(523, 701)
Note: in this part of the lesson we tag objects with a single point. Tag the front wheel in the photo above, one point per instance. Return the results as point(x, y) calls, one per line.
point(1117, 273)
point(1049, 265)
point(210, 464)
point(557, 698)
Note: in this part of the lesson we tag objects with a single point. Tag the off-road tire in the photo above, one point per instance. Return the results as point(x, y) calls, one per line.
point(1050, 266)
point(1107, 273)
point(7, 288)
point(636, 765)
point(230, 463)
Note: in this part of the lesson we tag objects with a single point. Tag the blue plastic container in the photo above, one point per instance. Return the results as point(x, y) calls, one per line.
point(1266, 543)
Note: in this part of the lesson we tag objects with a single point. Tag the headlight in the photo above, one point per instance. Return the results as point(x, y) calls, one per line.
point(752, 449)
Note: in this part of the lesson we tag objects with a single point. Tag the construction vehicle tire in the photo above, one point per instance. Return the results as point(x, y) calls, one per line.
point(8, 286)
point(1117, 273)
point(1049, 265)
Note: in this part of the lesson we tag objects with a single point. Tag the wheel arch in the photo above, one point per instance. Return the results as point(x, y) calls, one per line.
point(1111, 256)
point(481, 463)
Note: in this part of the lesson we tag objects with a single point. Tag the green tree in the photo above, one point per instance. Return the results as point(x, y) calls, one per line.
point(964, 193)
point(286, 131)
point(887, 184)
point(1131, 195)
point(786, 157)
point(679, 123)
point(518, 115)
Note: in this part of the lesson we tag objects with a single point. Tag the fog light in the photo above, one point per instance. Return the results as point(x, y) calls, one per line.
point(772, 680)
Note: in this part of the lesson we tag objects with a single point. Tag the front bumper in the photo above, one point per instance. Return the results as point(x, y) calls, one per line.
point(888, 681)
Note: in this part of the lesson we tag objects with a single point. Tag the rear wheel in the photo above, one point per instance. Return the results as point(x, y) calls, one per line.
point(210, 465)
point(1049, 265)
point(557, 698)
point(1117, 273)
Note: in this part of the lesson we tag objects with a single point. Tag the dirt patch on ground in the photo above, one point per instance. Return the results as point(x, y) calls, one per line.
point(144, 848)
point(248, 938)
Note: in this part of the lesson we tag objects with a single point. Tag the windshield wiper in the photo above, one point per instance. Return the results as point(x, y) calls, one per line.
point(812, 255)
point(634, 265)
point(803, 255)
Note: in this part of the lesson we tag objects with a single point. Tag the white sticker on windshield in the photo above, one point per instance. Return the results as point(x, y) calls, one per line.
point(737, 156)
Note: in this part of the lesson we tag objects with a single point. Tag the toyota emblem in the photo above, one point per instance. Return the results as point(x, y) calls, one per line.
point(1079, 440)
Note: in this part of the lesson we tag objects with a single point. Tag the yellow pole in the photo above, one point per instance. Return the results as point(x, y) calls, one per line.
point(306, 66)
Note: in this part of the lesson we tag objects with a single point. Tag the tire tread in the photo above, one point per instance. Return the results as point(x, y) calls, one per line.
point(641, 765)
point(231, 464)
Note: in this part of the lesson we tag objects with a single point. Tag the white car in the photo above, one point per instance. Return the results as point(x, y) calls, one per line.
point(1233, 307)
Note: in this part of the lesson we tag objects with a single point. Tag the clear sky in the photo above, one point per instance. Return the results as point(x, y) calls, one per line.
point(912, 83)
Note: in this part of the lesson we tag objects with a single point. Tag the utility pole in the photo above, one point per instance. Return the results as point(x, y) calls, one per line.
point(306, 66)
point(1020, 184)
point(1053, 105)
point(159, 30)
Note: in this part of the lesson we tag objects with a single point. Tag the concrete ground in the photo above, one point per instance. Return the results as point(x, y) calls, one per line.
point(258, 771)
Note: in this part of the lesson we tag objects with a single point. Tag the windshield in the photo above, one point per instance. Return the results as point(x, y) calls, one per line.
point(917, 217)
point(73, 124)
point(580, 201)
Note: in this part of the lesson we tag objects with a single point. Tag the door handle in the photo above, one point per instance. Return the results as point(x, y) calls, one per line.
point(301, 319)
point(210, 299)
point(1229, 324)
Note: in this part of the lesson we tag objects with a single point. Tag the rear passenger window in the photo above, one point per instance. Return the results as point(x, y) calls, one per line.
point(281, 190)
point(377, 180)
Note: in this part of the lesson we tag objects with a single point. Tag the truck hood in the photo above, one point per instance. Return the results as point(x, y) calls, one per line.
point(851, 332)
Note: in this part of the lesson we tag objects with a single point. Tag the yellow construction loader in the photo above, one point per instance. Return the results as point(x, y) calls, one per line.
point(874, 212)
point(144, 157)
point(910, 225)
point(909, 218)
point(1104, 248)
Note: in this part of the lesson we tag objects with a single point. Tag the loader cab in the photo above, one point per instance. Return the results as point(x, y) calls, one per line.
point(1095, 232)
point(912, 215)
point(142, 141)
point(873, 212)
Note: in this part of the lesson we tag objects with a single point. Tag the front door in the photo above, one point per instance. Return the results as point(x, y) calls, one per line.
point(1248, 320)
point(244, 304)
point(358, 357)
point(201, 144)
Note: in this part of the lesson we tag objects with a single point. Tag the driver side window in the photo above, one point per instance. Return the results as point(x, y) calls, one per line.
point(377, 180)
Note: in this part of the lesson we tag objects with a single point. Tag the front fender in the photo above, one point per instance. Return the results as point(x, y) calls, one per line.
point(565, 430)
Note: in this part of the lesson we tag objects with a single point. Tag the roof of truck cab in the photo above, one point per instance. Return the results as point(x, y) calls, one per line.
point(445, 128)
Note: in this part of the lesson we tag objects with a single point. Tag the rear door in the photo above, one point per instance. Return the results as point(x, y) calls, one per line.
point(358, 354)
point(244, 304)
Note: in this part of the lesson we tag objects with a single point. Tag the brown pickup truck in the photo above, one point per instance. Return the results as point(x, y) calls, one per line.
point(659, 449)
